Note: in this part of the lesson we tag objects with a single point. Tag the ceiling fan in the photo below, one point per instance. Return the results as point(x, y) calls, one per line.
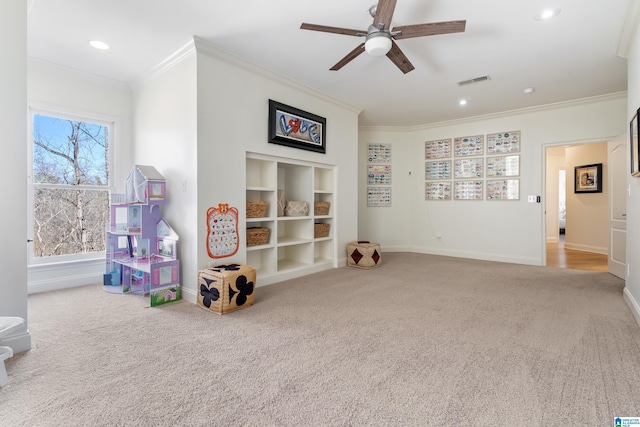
point(380, 40)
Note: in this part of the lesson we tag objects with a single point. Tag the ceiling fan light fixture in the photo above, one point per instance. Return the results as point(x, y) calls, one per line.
point(377, 44)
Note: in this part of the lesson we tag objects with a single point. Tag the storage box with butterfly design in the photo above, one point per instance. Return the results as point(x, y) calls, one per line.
point(226, 288)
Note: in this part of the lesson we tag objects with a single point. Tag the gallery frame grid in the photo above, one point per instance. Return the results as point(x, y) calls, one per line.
point(480, 167)
point(379, 175)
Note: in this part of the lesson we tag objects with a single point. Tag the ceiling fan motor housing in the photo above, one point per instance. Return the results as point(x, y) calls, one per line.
point(378, 43)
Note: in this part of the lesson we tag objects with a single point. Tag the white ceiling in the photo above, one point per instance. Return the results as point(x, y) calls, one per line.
point(570, 57)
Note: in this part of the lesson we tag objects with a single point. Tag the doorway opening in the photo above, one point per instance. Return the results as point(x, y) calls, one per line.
point(576, 225)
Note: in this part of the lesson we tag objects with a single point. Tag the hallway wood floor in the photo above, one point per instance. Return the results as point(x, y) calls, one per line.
point(558, 256)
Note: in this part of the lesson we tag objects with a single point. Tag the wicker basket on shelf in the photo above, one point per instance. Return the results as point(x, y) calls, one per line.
point(257, 236)
point(256, 209)
point(321, 230)
point(321, 208)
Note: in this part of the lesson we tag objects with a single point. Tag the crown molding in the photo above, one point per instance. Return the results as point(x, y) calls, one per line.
point(175, 58)
point(206, 48)
point(629, 29)
point(81, 75)
point(510, 113)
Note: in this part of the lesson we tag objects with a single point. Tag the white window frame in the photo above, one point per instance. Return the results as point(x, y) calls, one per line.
point(110, 122)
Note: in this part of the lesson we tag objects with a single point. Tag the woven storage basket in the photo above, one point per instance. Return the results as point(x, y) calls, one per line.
point(321, 208)
point(296, 208)
point(257, 236)
point(256, 209)
point(321, 230)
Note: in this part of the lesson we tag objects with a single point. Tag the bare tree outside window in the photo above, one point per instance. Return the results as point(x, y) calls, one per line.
point(71, 186)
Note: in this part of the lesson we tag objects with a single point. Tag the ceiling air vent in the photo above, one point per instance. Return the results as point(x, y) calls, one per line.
point(474, 80)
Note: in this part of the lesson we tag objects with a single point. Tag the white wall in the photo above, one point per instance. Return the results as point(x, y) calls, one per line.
point(13, 128)
point(587, 213)
point(165, 137)
point(232, 120)
point(555, 163)
point(196, 120)
point(390, 226)
point(510, 231)
point(60, 90)
point(632, 289)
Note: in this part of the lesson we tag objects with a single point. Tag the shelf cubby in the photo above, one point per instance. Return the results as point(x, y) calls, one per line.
point(323, 251)
point(261, 174)
point(295, 256)
point(263, 260)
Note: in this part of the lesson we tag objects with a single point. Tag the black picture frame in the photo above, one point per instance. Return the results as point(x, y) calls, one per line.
point(588, 178)
point(296, 128)
point(634, 131)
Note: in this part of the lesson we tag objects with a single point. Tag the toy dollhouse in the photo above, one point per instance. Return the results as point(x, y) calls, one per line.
point(141, 245)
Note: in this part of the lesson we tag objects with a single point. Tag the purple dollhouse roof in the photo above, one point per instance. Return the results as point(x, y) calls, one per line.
point(136, 183)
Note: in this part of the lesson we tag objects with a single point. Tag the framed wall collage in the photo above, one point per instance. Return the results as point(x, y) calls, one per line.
point(379, 175)
point(473, 167)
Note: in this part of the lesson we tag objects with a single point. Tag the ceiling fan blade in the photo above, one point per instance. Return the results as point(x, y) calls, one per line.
point(335, 30)
point(350, 57)
point(431, 29)
point(397, 57)
point(384, 13)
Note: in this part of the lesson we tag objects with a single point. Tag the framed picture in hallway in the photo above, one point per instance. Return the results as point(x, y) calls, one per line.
point(633, 144)
point(588, 178)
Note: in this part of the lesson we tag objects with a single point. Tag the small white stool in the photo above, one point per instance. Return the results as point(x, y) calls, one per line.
point(7, 326)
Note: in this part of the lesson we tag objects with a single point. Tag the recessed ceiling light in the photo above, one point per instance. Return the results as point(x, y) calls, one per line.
point(528, 90)
point(463, 102)
point(99, 45)
point(547, 14)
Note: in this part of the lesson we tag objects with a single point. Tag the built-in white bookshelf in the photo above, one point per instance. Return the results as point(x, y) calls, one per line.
point(292, 249)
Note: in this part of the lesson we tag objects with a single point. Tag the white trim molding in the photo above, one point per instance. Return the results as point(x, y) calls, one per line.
point(501, 114)
point(632, 303)
point(51, 277)
point(19, 342)
point(207, 48)
point(629, 28)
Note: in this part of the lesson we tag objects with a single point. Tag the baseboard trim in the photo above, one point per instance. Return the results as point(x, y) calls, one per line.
point(35, 287)
point(20, 342)
point(61, 275)
point(632, 304)
point(586, 248)
point(461, 254)
point(189, 295)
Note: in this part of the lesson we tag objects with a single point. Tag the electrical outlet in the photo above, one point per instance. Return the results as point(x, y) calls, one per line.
point(531, 199)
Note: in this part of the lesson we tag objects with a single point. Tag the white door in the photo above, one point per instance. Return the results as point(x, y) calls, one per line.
point(618, 169)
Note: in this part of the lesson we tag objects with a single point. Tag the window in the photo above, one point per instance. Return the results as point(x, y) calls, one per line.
point(70, 179)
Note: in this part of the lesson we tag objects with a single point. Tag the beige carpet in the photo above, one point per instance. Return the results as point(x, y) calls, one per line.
point(421, 341)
